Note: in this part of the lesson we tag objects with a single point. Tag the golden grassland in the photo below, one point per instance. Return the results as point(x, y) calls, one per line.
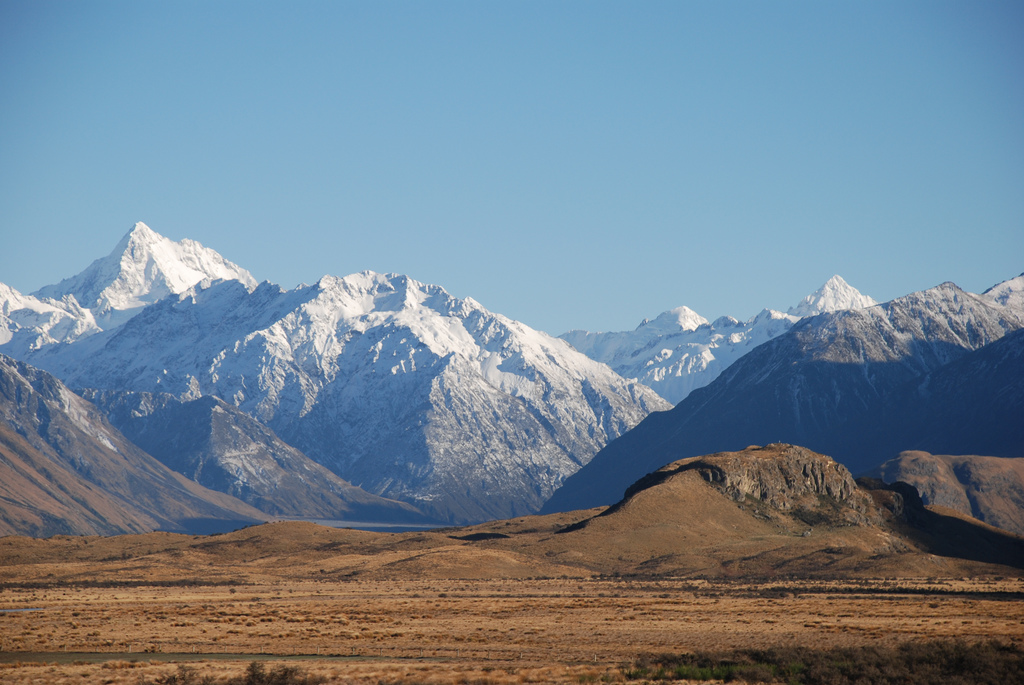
point(485, 631)
point(587, 596)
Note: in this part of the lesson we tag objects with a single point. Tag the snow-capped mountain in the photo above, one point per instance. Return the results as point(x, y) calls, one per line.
point(395, 385)
point(853, 384)
point(28, 323)
point(680, 351)
point(143, 268)
point(834, 296)
point(1009, 293)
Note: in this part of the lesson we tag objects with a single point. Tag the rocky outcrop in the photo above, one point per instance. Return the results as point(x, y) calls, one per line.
point(785, 477)
point(780, 475)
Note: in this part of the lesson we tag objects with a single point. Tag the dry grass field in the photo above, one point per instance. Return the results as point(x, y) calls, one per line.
point(678, 568)
point(471, 631)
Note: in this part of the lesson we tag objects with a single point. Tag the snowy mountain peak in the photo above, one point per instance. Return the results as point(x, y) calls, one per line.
point(380, 295)
point(1009, 293)
point(675, 320)
point(144, 267)
point(680, 351)
point(835, 295)
point(141, 233)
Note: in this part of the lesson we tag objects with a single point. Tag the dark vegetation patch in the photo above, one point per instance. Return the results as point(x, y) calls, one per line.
point(477, 537)
point(912, 663)
point(256, 674)
point(579, 525)
point(829, 512)
point(118, 584)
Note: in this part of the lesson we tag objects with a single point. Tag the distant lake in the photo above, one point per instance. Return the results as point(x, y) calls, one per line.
point(375, 526)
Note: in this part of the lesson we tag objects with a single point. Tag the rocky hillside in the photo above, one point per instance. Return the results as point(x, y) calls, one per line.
point(777, 510)
point(784, 477)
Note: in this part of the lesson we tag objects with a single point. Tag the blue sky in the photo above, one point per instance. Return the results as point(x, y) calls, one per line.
point(568, 164)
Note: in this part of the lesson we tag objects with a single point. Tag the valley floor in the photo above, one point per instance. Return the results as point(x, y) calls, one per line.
point(475, 631)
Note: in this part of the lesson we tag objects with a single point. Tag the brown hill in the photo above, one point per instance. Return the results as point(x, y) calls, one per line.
point(777, 511)
point(64, 469)
point(990, 489)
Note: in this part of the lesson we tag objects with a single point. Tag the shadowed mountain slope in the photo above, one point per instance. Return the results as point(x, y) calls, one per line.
point(973, 405)
point(65, 469)
point(223, 448)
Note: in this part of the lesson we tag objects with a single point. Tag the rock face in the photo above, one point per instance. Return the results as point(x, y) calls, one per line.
point(780, 475)
point(65, 469)
point(991, 489)
point(222, 448)
point(827, 384)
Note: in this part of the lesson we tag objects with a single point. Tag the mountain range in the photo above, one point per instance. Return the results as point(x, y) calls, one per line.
point(680, 351)
point(377, 397)
point(394, 385)
point(859, 385)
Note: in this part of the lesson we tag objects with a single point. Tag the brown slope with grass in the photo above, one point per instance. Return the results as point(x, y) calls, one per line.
point(991, 489)
point(779, 510)
point(774, 512)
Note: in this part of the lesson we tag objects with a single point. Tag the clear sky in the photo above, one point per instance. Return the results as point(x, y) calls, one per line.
point(568, 164)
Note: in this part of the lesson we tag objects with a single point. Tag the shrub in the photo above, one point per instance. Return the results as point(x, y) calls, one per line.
point(913, 663)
